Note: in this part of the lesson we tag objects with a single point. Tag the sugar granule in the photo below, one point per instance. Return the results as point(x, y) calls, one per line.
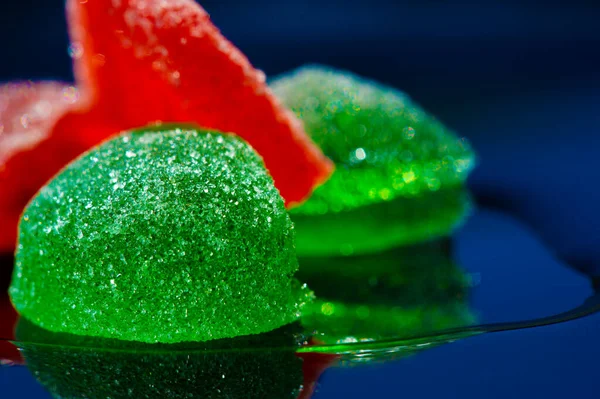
point(160, 235)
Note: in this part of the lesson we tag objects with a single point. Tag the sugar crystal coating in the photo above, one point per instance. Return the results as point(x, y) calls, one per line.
point(399, 172)
point(159, 236)
point(384, 146)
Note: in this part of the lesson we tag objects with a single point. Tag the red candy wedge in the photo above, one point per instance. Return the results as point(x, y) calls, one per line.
point(138, 62)
point(28, 112)
point(163, 60)
point(43, 128)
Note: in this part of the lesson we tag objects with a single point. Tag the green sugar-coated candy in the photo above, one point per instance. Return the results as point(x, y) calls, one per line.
point(389, 153)
point(70, 367)
point(160, 235)
point(384, 145)
point(381, 226)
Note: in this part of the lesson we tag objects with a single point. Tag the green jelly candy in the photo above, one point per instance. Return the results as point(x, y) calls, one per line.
point(388, 152)
point(231, 368)
point(160, 235)
point(381, 226)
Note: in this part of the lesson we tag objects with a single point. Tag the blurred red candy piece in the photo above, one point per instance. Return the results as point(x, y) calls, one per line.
point(138, 62)
point(43, 127)
point(157, 60)
point(28, 112)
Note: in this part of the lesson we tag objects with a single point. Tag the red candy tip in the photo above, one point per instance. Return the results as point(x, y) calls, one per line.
point(148, 60)
point(137, 62)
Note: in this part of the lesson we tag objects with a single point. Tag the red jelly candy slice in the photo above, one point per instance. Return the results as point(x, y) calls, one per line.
point(28, 112)
point(156, 60)
point(137, 62)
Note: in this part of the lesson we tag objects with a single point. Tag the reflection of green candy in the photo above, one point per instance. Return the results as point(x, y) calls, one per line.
point(410, 291)
point(389, 154)
point(120, 369)
point(160, 235)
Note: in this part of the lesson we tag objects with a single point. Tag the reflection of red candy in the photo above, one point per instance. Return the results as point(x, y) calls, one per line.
point(148, 60)
point(139, 62)
point(314, 364)
point(8, 317)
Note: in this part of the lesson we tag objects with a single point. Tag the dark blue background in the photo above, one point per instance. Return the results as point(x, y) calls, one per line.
point(520, 79)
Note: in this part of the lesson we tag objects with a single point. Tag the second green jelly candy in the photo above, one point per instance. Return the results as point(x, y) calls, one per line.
point(399, 172)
